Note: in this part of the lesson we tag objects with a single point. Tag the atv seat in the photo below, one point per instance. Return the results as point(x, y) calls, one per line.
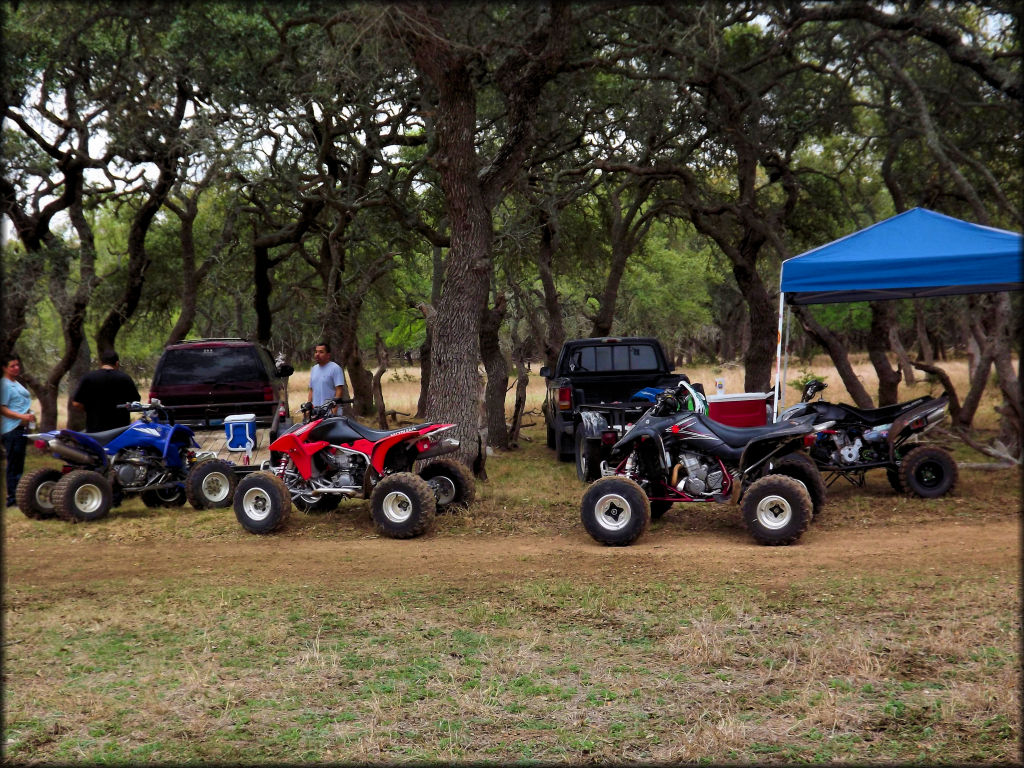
point(107, 435)
point(738, 437)
point(887, 414)
point(375, 436)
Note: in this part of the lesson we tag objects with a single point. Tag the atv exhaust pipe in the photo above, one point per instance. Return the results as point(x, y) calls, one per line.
point(70, 453)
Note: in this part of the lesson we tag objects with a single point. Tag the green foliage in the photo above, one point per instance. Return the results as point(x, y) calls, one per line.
point(806, 377)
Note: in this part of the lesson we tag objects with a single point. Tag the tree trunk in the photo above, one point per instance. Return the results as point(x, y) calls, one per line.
point(378, 392)
point(555, 336)
point(947, 386)
point(522, 383)
point(901, 355)
point(81, 366)
point(429, 314)
point(837, 351)
point(496, 367)
point(760, 354)
point(924, 345)
point(882, 315)
point(421, 404)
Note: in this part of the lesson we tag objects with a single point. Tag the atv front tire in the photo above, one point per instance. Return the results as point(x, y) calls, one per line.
point(262, 502)
point(402, 506)
point(776, 509)
point(211, 484)
point(615, 511)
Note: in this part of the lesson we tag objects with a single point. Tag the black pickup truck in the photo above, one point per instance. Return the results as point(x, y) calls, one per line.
point(599, 371)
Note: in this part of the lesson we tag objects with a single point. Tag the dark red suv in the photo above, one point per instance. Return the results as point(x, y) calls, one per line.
point(203, 380)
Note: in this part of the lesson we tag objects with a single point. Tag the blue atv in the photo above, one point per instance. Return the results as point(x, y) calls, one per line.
point(151, 457)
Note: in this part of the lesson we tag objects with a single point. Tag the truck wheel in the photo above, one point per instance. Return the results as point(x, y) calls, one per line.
point(164, 497)
point(83, 496)
point(776, 509)
point(262, 502)
point(211, 484)
point(928, 472)
point(452, 483)
point(551, 436)
point(615, 511)
point(35, 493)
point(565, 450)
point(802, 468)
point(588, 458)
point(402, 505)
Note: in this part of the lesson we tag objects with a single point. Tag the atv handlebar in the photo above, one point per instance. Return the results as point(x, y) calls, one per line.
point(152, 411)
point(326, 408)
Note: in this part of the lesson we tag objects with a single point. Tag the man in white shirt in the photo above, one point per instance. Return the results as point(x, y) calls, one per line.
point(326, 378)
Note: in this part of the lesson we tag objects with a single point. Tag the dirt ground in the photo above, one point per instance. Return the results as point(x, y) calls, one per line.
point(704, 556)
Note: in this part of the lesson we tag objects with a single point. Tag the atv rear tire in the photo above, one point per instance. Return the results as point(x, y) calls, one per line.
point(211, 484)
point(893, 475)
point(452, 483)
point(802, 468)
point(402, 506)
point(659, 508)
point(776, 510)
point(928, 471)
point(35, 493)
point(615, 511)
point(83, 496)
point(262, 502)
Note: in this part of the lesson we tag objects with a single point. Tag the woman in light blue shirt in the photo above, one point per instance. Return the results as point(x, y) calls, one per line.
point(15, 406)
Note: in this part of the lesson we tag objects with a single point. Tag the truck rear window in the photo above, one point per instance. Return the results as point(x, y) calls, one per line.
point(605, 358)
point(210, 365)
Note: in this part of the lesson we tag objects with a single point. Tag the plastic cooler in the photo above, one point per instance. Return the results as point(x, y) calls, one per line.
point(745, 409)
point(240, 430)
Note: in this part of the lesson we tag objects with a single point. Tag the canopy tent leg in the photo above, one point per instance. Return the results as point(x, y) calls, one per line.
point(778, 361)
point(785, 359)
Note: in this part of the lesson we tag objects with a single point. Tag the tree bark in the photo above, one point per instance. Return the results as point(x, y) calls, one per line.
point(378, 392)
point(496, 367)
point(882, 315)
point(837, 351)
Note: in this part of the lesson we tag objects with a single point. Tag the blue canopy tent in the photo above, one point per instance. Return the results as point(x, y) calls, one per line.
point(915, 254)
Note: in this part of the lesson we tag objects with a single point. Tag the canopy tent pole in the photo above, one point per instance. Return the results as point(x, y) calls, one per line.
point(785, 359)
point(778, 361)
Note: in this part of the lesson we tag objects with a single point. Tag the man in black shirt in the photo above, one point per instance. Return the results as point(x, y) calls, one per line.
point(101, 391)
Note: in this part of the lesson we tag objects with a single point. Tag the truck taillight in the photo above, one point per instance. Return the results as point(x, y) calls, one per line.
point(268, 393)
point(609, 437)
point(564, 398)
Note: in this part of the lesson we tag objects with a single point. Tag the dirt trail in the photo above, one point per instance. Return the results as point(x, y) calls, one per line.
point(456, 561)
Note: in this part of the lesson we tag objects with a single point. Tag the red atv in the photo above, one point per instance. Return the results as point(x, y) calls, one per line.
point(326, 458)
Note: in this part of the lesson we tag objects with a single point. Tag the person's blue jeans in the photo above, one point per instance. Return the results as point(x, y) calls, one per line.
point(14, 458)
